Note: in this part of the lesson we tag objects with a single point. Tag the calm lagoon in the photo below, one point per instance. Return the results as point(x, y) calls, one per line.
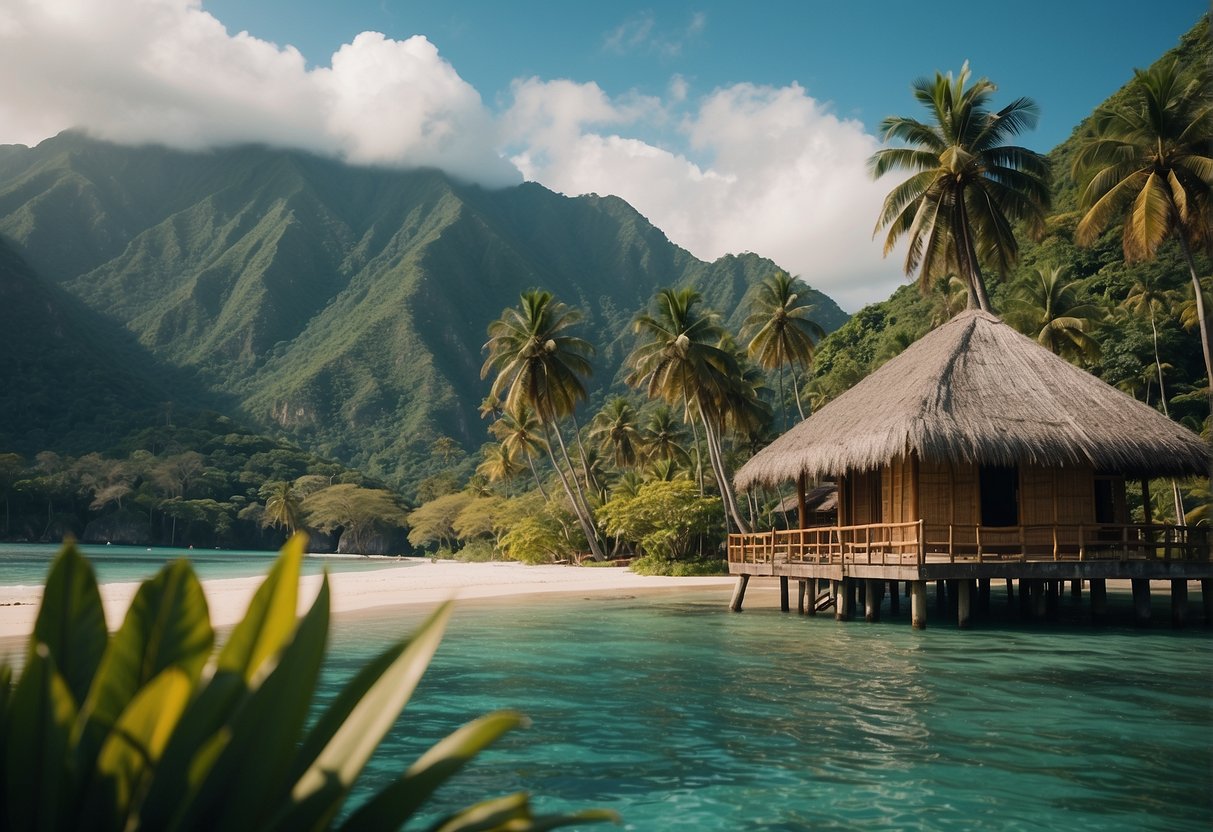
point(26, 564)
point(680, 715)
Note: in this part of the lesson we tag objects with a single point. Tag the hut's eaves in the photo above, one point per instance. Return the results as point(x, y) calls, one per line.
point(976, 391)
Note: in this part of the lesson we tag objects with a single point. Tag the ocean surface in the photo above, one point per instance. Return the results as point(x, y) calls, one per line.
point(26, 564)
point(681, 715)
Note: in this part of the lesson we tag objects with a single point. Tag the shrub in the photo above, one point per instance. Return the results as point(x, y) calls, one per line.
point(128, 732)
point(654, 565)
point(477, 551)
point(667, 520)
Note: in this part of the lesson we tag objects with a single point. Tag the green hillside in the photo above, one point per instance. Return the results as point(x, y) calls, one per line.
point(879, 331)
point(342, 307)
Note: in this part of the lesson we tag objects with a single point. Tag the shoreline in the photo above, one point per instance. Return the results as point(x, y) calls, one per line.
point(416, 584)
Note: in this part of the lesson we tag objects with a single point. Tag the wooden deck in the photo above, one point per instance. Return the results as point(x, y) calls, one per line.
point(920, 551)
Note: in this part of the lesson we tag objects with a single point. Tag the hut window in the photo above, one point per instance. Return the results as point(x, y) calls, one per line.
point(999, 487)
point(1105, 500)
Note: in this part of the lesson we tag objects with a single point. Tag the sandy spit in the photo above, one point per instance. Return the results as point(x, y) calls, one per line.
point(417, 583)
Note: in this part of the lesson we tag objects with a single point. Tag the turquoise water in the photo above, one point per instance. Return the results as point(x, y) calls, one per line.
point(680, 715)
point(26, 564)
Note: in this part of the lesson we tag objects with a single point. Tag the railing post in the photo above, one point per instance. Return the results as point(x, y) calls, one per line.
point(1055, 553)
point(1082, 542)
point(979, 552)
point(922, 543)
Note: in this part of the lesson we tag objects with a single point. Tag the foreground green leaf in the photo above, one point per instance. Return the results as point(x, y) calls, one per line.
point(39, 721)
point(71, 621)
point(270, 618)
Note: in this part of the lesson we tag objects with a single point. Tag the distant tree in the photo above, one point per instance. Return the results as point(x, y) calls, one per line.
point(539, 365)
point(966, 188)
point(1150, 158)
point(353, 510)
point(12, 466)
point(519, 435)
point(498, 464)
point(1045, 306)
point(782, 332)
point(480, 517)
point(434, 522)
point(678, 359)
point(615, 432)
point(283, 506)
point(665, 519)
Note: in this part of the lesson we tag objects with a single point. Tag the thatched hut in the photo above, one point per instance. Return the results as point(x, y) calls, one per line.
point(976, 444)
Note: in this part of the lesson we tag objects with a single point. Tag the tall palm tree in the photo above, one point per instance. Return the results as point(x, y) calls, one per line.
point(518, 434)
point(1151, 158)
point(1150, 295)
point(540, 365)
point(499, 464)
point(616, 432)
point(1045, 305)
point(677, 359)
point(781, 331)
point(966, 186)
point(283, 506)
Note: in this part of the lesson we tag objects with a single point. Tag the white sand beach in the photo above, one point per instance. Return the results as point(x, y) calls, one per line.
point(417, 583)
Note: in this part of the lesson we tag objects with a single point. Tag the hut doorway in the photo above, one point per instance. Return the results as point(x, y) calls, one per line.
point(999, 489)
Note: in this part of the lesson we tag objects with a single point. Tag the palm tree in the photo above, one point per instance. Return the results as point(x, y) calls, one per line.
point(781, 331)
point(499, 464)
point(1045, 305)
point(614, 429)
point(538, 364)
point(1150, 159)
point(951, 297)
point(662, 437)
point(518, 434)
point(1149, 295)
point(966, 186)
point(677, 359)
point(283, 506)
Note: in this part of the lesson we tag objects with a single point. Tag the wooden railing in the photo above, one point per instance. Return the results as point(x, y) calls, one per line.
point(908, 544)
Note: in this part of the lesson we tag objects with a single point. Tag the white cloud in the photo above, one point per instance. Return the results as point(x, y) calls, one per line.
point(784, 177)
point(748, 168)
point(166, 71)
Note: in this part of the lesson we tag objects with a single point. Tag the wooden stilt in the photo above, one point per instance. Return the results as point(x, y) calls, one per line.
point(839, 589)
point(894, 598)
point(1010, 591)
point(1206, 597)
point(851, 588)
point(1025, 598)
point(873, 598)
point(1076, 589)
point(1179, 603)
point(1052, 597)
point(1039, 592)
point(1099, 600)
point(964, 600)
point(1141, 602)
point(783, 594)
point(941, 598)
point(918, 604)
point(739, 593)
point(983, 597)
point(800, 592)
point(813, 583)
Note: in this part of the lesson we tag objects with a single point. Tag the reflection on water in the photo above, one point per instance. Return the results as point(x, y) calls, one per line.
point(683, 716)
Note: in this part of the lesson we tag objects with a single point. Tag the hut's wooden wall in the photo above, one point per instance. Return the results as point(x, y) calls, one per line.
point(947, 494)
point(1063, 496)
point(861, 492)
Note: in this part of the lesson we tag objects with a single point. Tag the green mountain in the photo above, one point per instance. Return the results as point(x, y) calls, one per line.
point(342, 307)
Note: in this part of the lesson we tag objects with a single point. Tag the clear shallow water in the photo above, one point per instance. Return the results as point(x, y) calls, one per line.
point(23, 564)
point(680, 715)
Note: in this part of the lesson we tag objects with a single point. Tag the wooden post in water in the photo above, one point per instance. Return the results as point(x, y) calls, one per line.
point(800, 591)
point(1141, 602)
point(1099, 600)
point(941, 598)
point(1179, 602)
point(918, 604)
point(873, 598)
point(1206, 596)
point(839, 590)
point(813, 583)
point(783, 594)
point(852, 592)
point(983, 597)
point(894, 598)
point(1025, 597)
point(1076, 589)
point(739, 593)
point(964, 601)
point(1039, 590)
point(1052, 597)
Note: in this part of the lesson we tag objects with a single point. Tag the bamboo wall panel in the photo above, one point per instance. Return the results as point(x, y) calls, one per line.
point(1075, 495)
point(935, 492)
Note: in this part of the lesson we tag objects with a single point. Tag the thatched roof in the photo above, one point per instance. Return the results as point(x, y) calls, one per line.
point(976, 391)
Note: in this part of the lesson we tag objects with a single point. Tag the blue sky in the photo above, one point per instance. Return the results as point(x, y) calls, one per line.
point(733, 127)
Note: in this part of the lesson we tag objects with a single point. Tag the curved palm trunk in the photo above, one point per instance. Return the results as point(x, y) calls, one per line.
point(1200, 309)
point(576, 497)
point(977, 284)
point(715, 456)
point(590, 481)
point(796, 383)
point(1162, 397)
point(535, 475)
